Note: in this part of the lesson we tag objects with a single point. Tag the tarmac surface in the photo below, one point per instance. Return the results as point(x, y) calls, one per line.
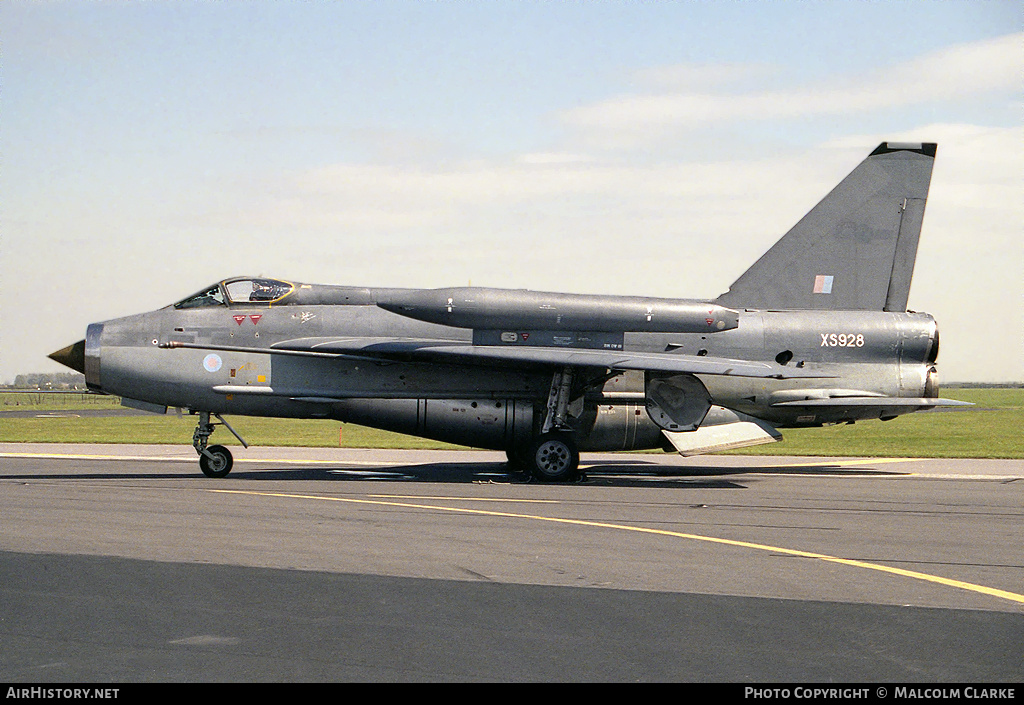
point(125, 564)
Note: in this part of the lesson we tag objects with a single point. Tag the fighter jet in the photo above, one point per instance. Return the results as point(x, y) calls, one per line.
point(816, 332)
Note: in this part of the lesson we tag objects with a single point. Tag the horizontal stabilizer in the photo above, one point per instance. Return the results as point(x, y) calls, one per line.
point(878, 402)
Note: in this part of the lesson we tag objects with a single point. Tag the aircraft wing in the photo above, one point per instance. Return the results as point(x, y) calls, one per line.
point(464, 352)
point(455, 352)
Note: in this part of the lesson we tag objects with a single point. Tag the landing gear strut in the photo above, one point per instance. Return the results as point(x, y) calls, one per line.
point(214, 461)
point(553, 455)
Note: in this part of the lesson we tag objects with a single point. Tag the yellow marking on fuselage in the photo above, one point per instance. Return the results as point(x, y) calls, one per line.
point(982, 589)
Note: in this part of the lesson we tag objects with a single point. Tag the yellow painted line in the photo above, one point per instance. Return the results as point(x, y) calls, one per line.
point(300, 461)
point(861, 461)
point(993, 592)
point(824, 463)
point(191, 459)
point(89, 456)
point(465, 499)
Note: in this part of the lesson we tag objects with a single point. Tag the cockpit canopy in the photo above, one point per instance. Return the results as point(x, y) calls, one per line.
point(240, 290)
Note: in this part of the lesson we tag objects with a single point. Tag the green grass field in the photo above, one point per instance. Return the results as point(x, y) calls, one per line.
point(991, 429)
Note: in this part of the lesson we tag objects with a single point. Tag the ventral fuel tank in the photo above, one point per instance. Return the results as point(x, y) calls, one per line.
point(482, 308)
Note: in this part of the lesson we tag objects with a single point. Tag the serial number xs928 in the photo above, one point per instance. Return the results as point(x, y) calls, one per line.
point(842, 340)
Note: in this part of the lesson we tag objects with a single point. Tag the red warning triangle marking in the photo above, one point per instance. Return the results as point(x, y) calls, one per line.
point(239, 319)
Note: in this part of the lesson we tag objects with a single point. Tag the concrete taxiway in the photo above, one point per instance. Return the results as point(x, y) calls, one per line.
point(125, 563)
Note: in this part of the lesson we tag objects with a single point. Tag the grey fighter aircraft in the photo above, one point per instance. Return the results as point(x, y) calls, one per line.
point(815, 332)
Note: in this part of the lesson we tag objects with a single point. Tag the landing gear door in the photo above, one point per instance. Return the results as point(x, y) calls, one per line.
point(676, 402)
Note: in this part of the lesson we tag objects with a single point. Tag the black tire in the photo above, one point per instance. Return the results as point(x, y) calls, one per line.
point(554, 458)
point(219, 465)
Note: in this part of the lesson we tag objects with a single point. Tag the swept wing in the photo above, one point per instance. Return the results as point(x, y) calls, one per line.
point(462, 352)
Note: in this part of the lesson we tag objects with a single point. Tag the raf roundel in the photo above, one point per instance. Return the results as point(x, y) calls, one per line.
point(212, 362)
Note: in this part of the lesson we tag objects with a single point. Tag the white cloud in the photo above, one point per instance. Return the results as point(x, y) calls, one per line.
point(952, 73)
point(554, 158)
point(692, 76)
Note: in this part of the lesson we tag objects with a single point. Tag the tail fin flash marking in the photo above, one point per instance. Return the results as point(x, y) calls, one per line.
point(864, 234)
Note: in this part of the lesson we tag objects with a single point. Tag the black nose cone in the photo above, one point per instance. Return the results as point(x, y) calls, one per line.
point(72, 356)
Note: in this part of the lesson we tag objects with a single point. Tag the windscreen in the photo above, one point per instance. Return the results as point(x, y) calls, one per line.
point(210, 296)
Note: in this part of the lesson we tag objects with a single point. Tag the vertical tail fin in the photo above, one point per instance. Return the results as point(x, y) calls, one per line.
point(856, 249)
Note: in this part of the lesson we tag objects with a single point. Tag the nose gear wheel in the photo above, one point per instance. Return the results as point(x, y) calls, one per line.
point(216, 461)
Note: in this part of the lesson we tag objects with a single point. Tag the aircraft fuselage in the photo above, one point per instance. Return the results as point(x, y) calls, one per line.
point(875, 353)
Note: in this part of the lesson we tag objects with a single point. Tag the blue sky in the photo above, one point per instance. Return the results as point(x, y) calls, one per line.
point(623, 147)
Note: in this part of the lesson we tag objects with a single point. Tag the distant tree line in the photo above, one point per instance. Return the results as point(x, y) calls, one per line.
point(50, 380)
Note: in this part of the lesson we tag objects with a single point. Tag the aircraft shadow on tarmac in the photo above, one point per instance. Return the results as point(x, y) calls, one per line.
point(619, 473)
point(449, 473)
point(497, 473)
point(625, 473)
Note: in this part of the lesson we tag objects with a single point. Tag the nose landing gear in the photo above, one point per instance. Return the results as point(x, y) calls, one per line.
point(214, 461)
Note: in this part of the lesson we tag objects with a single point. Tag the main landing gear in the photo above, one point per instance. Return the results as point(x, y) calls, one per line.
point(214, 461)
point(553, 455)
